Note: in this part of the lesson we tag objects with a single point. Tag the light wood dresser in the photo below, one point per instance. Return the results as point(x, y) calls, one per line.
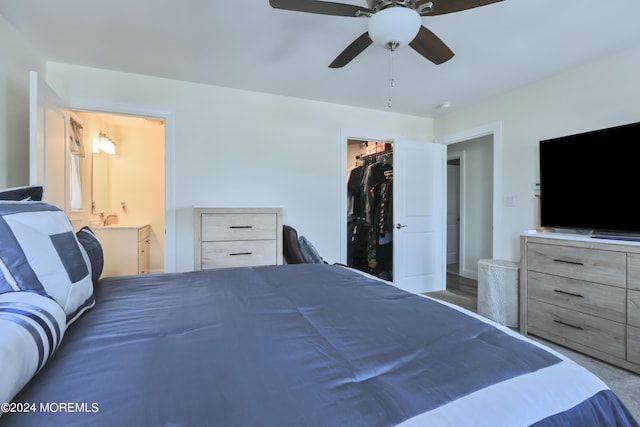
point(126, 249)
point(583, 293)
point(237, 237)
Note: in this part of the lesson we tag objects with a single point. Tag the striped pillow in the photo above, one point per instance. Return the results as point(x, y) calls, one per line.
point(31, 327)
point(39, 252)
point(92, 246)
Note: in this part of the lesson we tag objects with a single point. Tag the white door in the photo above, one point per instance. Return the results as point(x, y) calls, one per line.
point(419, 208)
point(48, 119)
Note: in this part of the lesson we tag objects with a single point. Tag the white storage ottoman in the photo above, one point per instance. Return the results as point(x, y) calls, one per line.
point(498, 291)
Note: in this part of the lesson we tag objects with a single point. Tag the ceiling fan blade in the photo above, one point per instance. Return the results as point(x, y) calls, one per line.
point(440, 7)
point(351, 51)
point(321, 7)
point(431, 47)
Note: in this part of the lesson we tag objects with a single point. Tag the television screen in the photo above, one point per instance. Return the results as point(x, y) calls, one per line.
point(589, 181)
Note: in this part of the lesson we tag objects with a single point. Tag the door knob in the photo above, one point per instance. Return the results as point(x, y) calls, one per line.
point(399, 226)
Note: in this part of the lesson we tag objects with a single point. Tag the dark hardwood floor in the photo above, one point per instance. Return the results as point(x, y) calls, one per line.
point(460, 291)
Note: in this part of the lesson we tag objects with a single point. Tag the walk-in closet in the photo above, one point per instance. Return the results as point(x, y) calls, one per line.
point(370, 207)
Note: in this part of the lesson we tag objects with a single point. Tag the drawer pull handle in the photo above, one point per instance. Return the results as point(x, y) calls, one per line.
point(241, 226)
point(568, 262)
point(241, 253)
point(569, 325)
point(568, 293)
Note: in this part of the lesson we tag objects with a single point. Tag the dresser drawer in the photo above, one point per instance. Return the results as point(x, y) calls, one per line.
point(143, 249)
point(248, 253)
point(633, 308)
point(633, 271)
point(633, 344)
point(238, 226)
point(599, 300)
point(144, 234)
point(559, 324)
point(593, 265)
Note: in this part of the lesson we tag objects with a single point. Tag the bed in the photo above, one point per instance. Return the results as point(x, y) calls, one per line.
point(291, 345)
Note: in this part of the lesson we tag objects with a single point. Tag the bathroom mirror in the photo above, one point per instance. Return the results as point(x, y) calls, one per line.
point(100, 183)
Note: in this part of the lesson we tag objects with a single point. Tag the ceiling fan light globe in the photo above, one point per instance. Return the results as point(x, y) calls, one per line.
point(394, 25)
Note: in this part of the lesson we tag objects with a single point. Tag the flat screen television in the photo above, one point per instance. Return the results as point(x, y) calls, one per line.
point(589, 182)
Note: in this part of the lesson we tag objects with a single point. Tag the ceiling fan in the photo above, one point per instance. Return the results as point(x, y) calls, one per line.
point(392, 23)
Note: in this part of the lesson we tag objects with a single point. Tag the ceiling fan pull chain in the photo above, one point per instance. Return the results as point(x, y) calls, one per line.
point(392, 81)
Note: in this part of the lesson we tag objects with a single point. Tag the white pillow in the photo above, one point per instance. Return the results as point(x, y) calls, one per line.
point(31, 327)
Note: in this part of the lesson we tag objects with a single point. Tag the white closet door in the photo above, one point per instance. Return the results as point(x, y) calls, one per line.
point(419, 210)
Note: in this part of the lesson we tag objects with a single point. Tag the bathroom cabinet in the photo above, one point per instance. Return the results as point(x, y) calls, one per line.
point(126, 249)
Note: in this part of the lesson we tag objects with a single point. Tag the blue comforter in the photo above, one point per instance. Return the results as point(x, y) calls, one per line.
point(300, 345)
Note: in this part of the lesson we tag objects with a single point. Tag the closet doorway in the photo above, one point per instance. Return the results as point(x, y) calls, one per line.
point(370, 207)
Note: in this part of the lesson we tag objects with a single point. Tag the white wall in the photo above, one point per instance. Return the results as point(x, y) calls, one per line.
point(244, 148)
point(597, 95)
point(17, 58)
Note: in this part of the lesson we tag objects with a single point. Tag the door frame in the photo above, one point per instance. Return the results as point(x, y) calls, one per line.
point(345, 136)
point(94, 106)
point(494, 129)
point(457, 155)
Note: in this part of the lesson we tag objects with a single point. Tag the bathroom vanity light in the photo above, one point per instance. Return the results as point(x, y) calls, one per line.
point(104, 144)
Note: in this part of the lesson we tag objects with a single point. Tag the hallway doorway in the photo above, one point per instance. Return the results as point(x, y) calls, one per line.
point(476, 183)
point(470, 205)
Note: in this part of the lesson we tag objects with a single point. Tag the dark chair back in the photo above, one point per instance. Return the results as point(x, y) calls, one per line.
point(290, 246)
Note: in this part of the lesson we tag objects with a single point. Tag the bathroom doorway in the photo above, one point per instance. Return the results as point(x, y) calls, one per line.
point(128, 186)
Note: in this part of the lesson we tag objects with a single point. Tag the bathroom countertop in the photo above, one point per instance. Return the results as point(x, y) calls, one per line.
point(118, 226)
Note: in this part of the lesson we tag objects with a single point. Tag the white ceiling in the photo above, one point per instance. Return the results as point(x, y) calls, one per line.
point(248, 45)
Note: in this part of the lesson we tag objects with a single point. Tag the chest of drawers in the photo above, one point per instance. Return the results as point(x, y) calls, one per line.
point(582, 294)
point(237, 237)
point(633, 308)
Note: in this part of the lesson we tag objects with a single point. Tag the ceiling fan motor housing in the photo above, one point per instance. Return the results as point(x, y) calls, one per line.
point(425, 8)
point(378, 5)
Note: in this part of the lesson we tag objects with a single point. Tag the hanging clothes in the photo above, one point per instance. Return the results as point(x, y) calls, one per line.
point(370, 227)
point(355, 192)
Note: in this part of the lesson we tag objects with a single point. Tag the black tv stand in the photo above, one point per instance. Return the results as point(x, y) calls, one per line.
point(628, 238)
